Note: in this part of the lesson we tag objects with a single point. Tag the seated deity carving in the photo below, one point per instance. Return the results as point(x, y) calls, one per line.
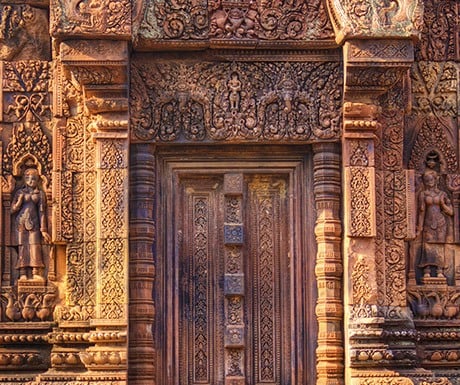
point(30, 226)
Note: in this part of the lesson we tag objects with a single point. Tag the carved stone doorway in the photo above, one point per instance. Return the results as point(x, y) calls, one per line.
point(235, 268)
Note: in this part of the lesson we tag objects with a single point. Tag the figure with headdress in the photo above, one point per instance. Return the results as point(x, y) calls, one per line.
point(435, 208)
point(29, 205)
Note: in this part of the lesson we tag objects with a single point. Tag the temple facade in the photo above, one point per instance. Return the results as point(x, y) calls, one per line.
point(214, 192)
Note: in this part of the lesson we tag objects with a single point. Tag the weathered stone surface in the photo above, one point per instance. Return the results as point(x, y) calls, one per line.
point(272, 198)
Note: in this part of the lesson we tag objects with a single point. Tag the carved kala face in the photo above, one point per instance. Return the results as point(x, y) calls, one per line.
point(31, 178)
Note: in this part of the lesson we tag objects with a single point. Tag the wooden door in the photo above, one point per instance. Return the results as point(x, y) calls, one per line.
point(229, 300)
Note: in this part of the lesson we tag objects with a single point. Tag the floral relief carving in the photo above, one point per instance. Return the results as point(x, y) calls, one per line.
point(112, 279)
point(439, 35)
point(279, 102)
point(434, 89)
point(26, 106)
point(432, 134)
point(91, 17)
point(26, 76)
point(195, 20)
point(112, 210)
point(360, 213)
point(362, 291)
point(28, 138)
point(377, 17)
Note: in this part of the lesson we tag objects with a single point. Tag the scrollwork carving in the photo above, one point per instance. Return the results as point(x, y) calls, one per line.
point(370, 18)
point(91, 17)
point(278, 102)
point(223, 20)
point(438, 31)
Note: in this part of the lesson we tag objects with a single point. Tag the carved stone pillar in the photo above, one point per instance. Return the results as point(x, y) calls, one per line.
point(142, 269)
point(329, 309)
point(378, 50)
point(99, 70)
point(376, 221)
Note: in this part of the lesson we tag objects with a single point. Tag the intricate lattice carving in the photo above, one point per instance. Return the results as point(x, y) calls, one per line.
point(209, 102)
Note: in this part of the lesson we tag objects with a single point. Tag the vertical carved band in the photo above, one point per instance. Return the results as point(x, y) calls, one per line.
point(329, 309)
point(141, 368)
point(200, 356)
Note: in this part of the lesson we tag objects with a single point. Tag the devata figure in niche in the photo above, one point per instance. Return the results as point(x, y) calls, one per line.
point(435, 208)
point(29, 204)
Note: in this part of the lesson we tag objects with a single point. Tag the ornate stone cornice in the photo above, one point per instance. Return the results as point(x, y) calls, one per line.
point(374, 66)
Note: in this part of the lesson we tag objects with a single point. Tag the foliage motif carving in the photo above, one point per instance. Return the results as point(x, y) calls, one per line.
point(26, 76)
point(209, 102)
point(112, 208)
point(395, 205)
point(112, 279)
point(439, 33)
point(361, 214)
point(434, 89)
point(387, 381)
point(360, 278)
point(91, 17)
point(77, 188)
point(25, 88)
point(432, 135)
point(224, 20)
point(395, 270)
point(376, 17)
point(28, 139)
point(201, 302)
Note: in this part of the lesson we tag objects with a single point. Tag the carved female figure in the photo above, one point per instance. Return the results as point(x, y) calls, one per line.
point(29, 202)
point(434, 208)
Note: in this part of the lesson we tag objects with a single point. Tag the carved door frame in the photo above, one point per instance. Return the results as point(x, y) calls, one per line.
point(322, 177)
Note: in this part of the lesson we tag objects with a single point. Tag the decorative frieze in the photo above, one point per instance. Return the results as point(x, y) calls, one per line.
point(221, 23)
point(238, 101)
